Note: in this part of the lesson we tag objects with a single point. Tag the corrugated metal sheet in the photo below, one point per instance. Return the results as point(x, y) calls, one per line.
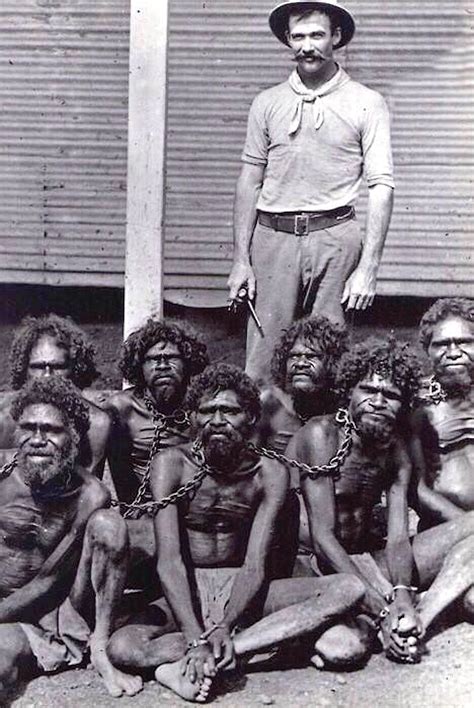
point(418, 54)
point(63, 140)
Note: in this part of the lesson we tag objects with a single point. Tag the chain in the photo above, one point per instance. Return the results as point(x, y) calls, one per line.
point(314, 471)
point(153, 507)
point(435, 394)
point(161, 421)
point(8, 468)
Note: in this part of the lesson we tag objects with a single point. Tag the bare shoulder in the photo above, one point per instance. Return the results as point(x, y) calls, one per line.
point(318, 428)
point(121, 402)
point(170, 463)
point(94, 494)
point(100, 418)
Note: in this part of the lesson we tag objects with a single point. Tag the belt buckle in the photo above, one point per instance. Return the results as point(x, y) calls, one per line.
point(301, 225)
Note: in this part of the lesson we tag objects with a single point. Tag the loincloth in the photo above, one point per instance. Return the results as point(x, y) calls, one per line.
point(214, 587)
point(60, 638)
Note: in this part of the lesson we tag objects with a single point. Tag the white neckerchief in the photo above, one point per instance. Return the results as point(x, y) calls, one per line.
point(307, 95)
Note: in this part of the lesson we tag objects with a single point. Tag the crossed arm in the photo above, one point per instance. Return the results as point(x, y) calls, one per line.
point(52, 584)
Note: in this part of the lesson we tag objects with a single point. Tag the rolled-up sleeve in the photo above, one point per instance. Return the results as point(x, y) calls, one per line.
point(255, 149)
point(376, 144)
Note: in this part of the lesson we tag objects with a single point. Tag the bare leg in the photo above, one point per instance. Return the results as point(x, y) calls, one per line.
point(16, 658)
point(141, 646)
point(431, 547)
point(455, 578)
point(331, 597)
point(146, 645)
point(101, 572)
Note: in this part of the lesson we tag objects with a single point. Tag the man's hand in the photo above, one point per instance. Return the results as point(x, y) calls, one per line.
point(359, 290)
point(240, 275)
point(402, 631)
point(198, 662)
point(222, 647)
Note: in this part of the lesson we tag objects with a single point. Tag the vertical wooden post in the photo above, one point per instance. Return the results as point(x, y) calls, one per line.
point(146, 162)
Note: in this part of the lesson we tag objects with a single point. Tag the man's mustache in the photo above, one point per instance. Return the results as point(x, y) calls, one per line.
point(301, 54)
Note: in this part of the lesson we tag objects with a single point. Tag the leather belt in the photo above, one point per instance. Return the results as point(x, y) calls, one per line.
point(302, 223)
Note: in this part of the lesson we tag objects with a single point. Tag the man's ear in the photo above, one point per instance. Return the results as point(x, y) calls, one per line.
point(336, 37)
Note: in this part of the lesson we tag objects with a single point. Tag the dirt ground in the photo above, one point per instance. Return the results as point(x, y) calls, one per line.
point(444, 679)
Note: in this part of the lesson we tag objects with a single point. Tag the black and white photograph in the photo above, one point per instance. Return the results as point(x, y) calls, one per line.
point(236, 353)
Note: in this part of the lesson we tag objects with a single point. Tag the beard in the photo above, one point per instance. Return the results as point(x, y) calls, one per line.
point(222, 452)
point(456, 383)
point(168, 393)
point(39, 475)
point(375, 431)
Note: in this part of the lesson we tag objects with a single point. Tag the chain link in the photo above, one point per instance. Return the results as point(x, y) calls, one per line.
point(435, 395)
point(8, 467)
point(314, 471)
point(178, 417)
point(152, 507)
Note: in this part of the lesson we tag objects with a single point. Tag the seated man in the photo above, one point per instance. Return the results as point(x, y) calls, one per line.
point(62, 555)
point(443, 431)
point(303, 368)
point(54, 346)
point(214, 529)
point(377, 380)
point(158, 360)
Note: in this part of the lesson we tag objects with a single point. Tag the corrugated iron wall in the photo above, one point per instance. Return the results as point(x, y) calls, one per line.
point(63, 140)
point(63, 123)
point(418, 54)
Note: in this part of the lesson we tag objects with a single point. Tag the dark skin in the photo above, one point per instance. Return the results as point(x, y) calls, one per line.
point(443, 459)
point(284, 412)
point(48, 358)
point(246, 506)
point(57, 541)
point(165, 382)
point(339, 512)
point(230, 521)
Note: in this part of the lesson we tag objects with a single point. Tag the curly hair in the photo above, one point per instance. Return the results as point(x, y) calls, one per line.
point(221, 377)
point(133, 350)
point(59, 393)
point(331, 339)
point(389, 358)
point(67, 334)
point(441, 310)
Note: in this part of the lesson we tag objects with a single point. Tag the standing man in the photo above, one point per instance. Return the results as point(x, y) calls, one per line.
point(213, 548)
point(63, 555)
point(297, 244)
point(55, 346)
point(443, 432)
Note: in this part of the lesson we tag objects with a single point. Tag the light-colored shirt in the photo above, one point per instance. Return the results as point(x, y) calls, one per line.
point(318, 169)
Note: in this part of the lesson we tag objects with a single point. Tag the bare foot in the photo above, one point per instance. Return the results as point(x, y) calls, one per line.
point(170, 675)
point(116, 682)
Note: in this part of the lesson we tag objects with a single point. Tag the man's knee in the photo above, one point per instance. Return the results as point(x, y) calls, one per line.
point(106, 529)
point(120, 647)
point(343, 646)
point(15, 657)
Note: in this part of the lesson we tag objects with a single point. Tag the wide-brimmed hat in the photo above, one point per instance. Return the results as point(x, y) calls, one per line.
point(279, 18)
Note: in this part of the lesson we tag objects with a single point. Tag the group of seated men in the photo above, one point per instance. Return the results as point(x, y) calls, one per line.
point(240, 524)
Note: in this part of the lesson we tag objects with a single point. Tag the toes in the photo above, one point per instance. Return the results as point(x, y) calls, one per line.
point(114, 691)
point(134, 686)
